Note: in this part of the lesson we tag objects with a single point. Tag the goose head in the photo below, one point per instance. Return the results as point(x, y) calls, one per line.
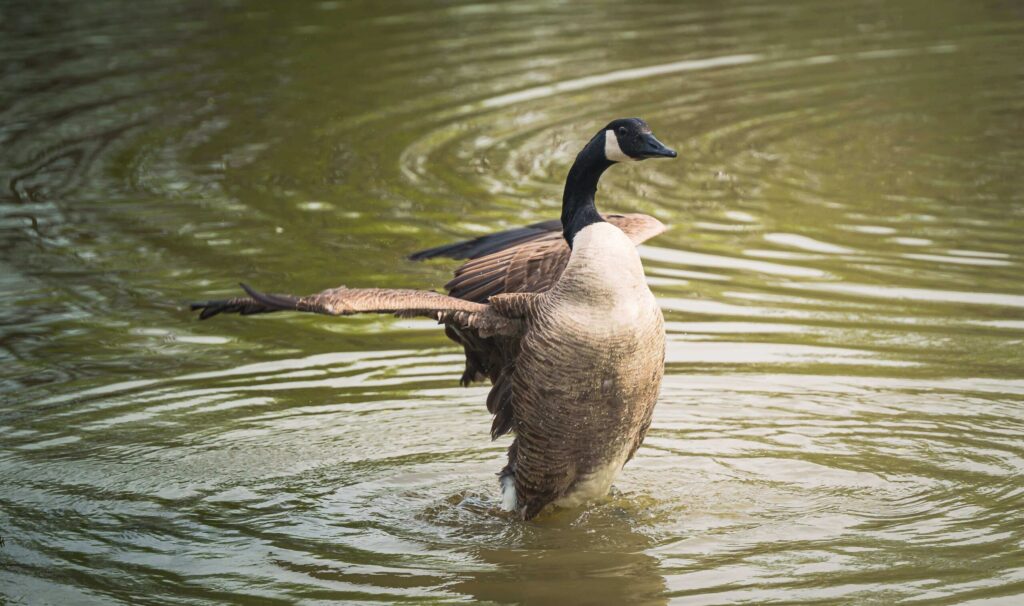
point(630, 140)
point(622, 140)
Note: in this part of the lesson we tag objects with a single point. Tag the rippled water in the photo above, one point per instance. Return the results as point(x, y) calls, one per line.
point(843, 411)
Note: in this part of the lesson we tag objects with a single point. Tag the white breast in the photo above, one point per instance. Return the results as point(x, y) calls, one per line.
point(604, 269)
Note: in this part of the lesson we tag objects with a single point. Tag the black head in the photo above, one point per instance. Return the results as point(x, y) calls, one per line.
point(629, 139)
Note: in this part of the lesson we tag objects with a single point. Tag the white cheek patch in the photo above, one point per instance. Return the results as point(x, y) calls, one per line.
point(612, 151)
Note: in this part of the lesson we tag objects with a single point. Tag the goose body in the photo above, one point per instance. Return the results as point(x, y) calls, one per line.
point(559, 317)
point(587, 375)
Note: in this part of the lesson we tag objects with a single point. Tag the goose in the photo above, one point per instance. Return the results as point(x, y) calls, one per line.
point(558, 316)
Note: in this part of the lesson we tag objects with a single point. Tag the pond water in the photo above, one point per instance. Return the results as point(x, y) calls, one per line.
point(842, 419)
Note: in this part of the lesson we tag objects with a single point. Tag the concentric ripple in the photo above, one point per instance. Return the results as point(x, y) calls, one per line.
point(842, 283)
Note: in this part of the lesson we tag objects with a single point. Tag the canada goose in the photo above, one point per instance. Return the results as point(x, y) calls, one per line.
point(558, 316)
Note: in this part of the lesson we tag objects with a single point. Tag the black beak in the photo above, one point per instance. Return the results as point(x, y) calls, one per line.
point(652, 148)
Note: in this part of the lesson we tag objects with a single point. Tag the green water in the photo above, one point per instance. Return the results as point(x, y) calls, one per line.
point(842, 419)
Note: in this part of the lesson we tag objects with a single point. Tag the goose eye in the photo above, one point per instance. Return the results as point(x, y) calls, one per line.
point(622, 130)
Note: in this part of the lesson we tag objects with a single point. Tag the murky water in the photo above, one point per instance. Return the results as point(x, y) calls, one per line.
point(843, 413)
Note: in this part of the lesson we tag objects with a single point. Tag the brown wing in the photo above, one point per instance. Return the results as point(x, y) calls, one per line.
point(526, 259)
point(639, 228)
point(347, 301)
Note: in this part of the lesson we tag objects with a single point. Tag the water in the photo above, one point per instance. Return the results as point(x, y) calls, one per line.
point(843, 284)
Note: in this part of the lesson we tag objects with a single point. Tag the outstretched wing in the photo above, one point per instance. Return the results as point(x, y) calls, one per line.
point(343, 301)
point(526, 259)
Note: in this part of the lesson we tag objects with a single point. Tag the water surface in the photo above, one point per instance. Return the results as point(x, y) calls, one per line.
point(843, 411)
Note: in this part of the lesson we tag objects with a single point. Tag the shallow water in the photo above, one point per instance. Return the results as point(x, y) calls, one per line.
point(843, 411)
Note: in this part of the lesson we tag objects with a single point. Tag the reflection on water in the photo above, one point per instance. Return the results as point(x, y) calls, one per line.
point(842, 285)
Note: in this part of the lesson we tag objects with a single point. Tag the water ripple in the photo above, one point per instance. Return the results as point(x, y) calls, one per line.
point(842, 286)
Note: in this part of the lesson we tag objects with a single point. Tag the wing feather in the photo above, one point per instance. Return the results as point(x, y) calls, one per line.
point(343, 301)
point(526, 259)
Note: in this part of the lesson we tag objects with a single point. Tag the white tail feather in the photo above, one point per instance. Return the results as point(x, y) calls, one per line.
point(508, 493)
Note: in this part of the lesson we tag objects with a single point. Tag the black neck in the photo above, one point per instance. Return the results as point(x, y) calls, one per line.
point(578, 210)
